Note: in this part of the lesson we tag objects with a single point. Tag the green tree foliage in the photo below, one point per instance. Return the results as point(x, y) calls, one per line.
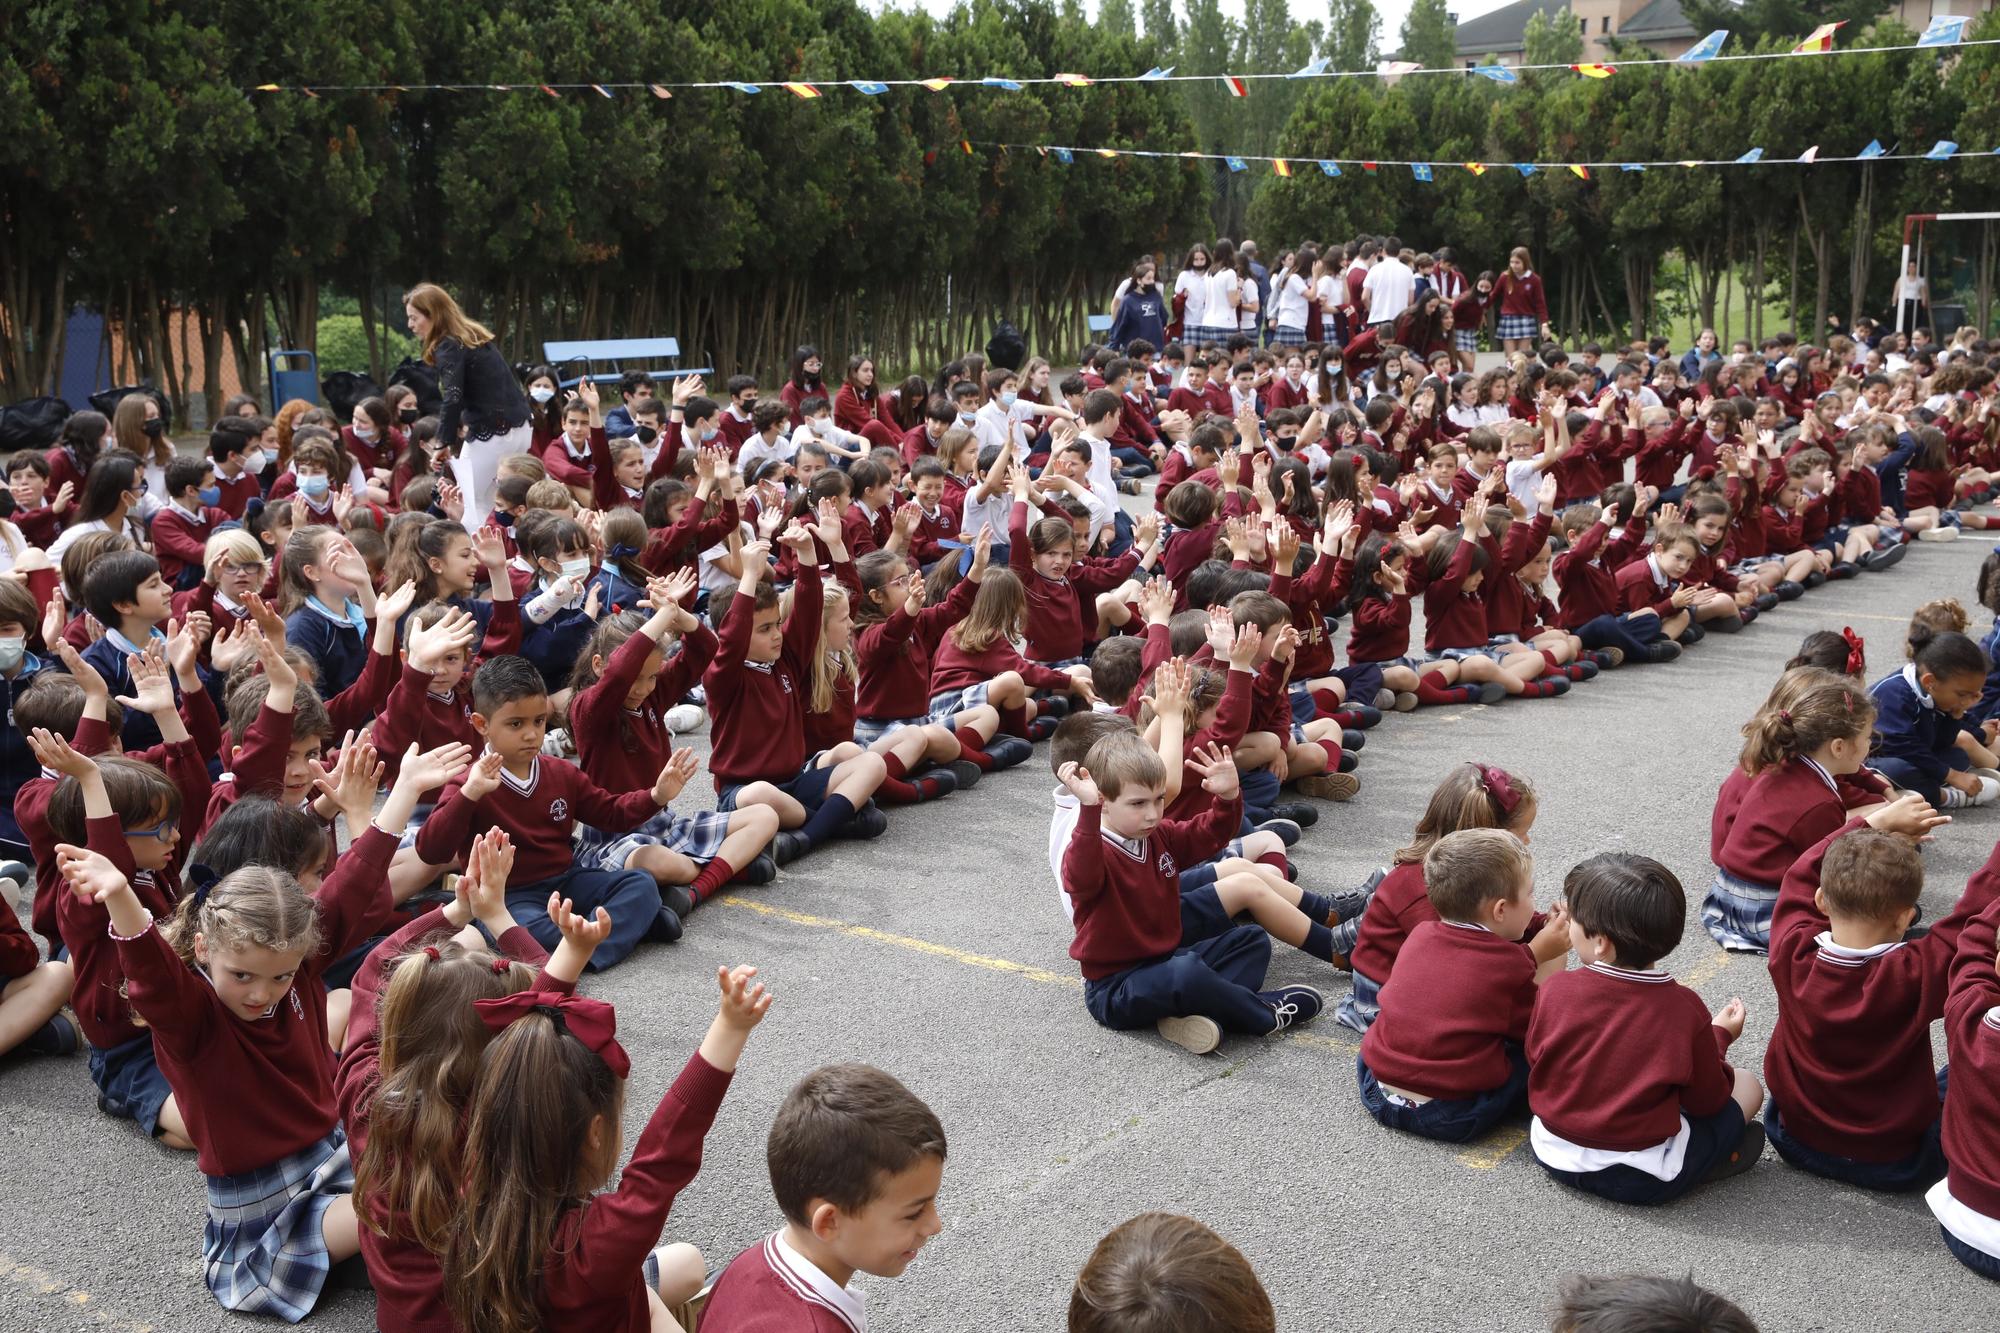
point(1786, 20)
point(1429, 35)
point(1551, 41)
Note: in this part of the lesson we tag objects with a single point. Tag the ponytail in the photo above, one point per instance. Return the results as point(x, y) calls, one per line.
point(1808, 708)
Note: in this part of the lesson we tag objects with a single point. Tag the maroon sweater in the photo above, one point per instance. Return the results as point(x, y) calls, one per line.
point(1781, 815)
point(1453, 617)
point(1616, 1054)
point(1586, 574)
point(1639, 590)
point(624, 749)
point(254, 1093)
point(1972, 1041)
point(539, 815)
point(1128, 906)
point(954, 668)
point(1401, 903)
point(759, 708)
point(1849, 1062)
point(1458, 996)
point(1056, 616)
point(895, 655)
point(180, 543)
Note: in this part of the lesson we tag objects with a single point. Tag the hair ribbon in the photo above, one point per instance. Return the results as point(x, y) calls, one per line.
point(431, 952)
point(1500, 786)
point(1856, 661)
point(203, 880)
point(592, 1022)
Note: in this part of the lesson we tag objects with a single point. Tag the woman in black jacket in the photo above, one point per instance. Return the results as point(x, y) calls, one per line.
point(485, 416)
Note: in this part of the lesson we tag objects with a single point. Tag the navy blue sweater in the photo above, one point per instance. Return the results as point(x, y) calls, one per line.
point(1907, 727)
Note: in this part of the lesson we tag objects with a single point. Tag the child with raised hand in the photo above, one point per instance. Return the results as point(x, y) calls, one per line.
point(1966, 1203)
point(1920, 742)
point(534, 1245)
point(538, 800)
point(1160, 1271)
point(1062, 589)
point(856, 1160)
point(408, 1065)
point(1455, 614)
point(1146, 959)
point(329, 603)
point(1444, 1057)
point(1387, 578)
point(1471, 795)
point(756, 690)
point(977, 663)
point(243, 1042)
point(1813, 729)
point(1632, 1098)
point(622, 689)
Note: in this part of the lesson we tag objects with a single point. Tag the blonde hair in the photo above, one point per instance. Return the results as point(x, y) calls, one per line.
point(1808, 708)
point(1472, 867)
point(447, 320)
point(232, 544)
point(1471, 795)
point(523, 465)
point(998, 612)
point(1123, 759)
point(552, 495)
point(828, 666)
point(258, 906)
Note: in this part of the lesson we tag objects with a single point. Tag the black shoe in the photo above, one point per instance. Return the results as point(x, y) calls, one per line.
point(938, 782)
point(761, 870)
point(1722, 625)
point(58, 1036)
point(1814, 579)
point(1748, 1150)
point(1288, 832)
point(1789, 591)
point(1055, 706)
point(1581, 669)
point(1348, 905)
point(1292, 1005)
point(1291, 873)
point(1349, 761)
point(1362, 716)
point(1666, 650)
point(1007, 751)
point(867, 822)
point(1298, 812)
point(678, 899)
point(1843, 569)
point(1350, 739)
point(1607, 658)
point(1887, 556)
point(967, 773)
point(1766, 601)
point(1693, 633)
point(666, 927)
point(1745, 614)
point(789, 846)
point(1557, 685)
point(1490, 692)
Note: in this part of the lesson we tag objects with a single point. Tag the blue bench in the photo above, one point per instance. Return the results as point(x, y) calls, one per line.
point(615, 356)
point(1098, 323)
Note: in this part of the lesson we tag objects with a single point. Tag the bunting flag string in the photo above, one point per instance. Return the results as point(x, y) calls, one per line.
point(1943, 31)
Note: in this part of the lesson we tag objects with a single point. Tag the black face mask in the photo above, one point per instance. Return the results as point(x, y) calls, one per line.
point(155, 428)
point(409, 414)
point(647, 434)
point(503, 518)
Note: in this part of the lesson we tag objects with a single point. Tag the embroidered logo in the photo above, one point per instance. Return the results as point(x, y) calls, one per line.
point(298, 1006)
point(558, 810)
point(1167, 864)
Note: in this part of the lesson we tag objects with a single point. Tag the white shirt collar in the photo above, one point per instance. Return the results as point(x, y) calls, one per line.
point(1824, 776)
point(1840, 953)
point(811, 1285)
point(1910, 675)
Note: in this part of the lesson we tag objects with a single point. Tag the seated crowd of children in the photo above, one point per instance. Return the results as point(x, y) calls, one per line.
point(374, 1045)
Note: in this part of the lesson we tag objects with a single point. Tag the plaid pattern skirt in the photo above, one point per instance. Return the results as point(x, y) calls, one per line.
point(263, 1249)
point(1360, 1007)
point(1284, 337)
point(698, 837)
point(1738, 913)
point(1210, 335)
point(1465, 340)
point(1518, 326)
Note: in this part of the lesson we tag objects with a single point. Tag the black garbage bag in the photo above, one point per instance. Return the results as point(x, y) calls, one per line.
point(34, 424)
point(345, 388)
point(422, 381)
point(1006, 347)
point(107, 400)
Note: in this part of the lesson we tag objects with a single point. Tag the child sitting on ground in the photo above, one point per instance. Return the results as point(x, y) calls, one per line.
point(1854, 1096)
point(1160, 1271)
point(856, 1161)
point(1966, 1202)
point(1632, 1099)
point(1444, 1056)
point(1639, 1301)
point(1920, 742)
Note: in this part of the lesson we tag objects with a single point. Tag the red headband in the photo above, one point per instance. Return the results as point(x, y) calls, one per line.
point(1505, 794)
point(592, 1022)
point(1856, 662)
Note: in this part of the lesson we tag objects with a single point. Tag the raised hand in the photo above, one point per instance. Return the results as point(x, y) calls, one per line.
point(680, 768)
point(1217, 769)
point(54, 752)
point(90, 875)
point(1077, 778)
point(1173, 687)
point(744, 1000)
point(152, 682)
point(584, 933)
point(54, 616)
point(429, 645)
point(395, 603)
point(480, 780)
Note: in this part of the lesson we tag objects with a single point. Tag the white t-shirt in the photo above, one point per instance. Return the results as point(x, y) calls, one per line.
point(755, 451)
point(1390, 286)
point(1222, 310)
point(1292, 303)
point(718, 581)
point(1330, 291)
point(1246, 314)
point(1194, 286)
point(1062, 824)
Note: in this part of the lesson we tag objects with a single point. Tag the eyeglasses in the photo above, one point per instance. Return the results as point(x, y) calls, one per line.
point(164, 830)
point(243, 571)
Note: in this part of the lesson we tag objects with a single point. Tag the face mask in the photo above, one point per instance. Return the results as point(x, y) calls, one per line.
point(647, 434)
point(211, 495)
point(1009, 399)
point(966, 418)
point(368, 433)
point(578, 569)
point(314, 486)
point(710, 433)
point(11, 651)
point(541, 393)
point(409, 415)
point(254, 462)
point(819, 426)
point(502, 518)
point(155, 428)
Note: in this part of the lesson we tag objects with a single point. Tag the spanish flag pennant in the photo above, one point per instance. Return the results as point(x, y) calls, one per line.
point(1820, 40)
point(1075, 80)
point(1043, 149)
point(660, 91)
point(805, 90)
point(937, 85)
point(1236, 86)
point(965, 146)
point(1595, 71)
point(550, 91)
point(1476, 168)
point(601, 90)
point(1580, 171)
point(1282, 167)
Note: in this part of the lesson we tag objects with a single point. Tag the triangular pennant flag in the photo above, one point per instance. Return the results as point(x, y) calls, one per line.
point(1497, 73)
point(1008, 84)
point(1391, 68)
point(267, 88)
point(868, 87)
point(660, 91)
point(1421, 170)
point(1476, 168)
point(1810, 155)
point(310, 93)
point(937, 85)
point(1595, 71)
point(1632, 166)
point(1075, 80)
point(1579, 170)
point(1282, 167)
point(1236, 86)
point(1155, 74)
point(1192, 153)
point(1330, 168)
point(1874, 149)
point(965, 146)
point(805, 90)
point(1690, 163)
point(1368, 166)
point(1941, 150)
point(1706, 49)
point(550, 91)
point(603, 91)
point(750, 88)
point(1754, 155)
point(1820, 40)
point(1236, 164)
point(1525, 168)
point(1107, 152)
point(1311, 71)
point(1945, 30)
point(1063, 156)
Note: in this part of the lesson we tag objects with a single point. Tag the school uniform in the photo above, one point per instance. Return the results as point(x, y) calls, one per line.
point(864, 529)
point(540, 813)
point(758, 708)
point(772, 1288)
point(1630, 1091)
point(555, 631)
point(336, 639)
point(1399, 904)
point(1915, 744)
point(18, 765)
point(108, 656)
point(1056, 623)
point(238, 491)
point(1194, 402)
point(573, 466)
point(180, 542)
point(1444, 1057)
point(895, 657)
point(1784, 811)
point(1454, 620)
point(1966, 1203)
point(959, 676)
point(678, 546)
point(1524, 305)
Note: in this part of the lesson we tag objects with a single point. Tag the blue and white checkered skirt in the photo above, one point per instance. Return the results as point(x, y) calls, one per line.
point(698, 837)
point(1210, 335)
point(1738, 913)
point(1465, 340)
point(1359, 1008)
point(1518, 326)
point(1284, 337)
point(946, 703)
point(263, 1247)
point(868, 730)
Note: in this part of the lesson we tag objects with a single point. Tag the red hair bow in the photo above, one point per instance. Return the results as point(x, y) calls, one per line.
point(1505, 794)
point(592, 1022)
point(1856, 662)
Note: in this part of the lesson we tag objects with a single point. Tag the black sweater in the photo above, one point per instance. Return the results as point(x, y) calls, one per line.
point(480, 392)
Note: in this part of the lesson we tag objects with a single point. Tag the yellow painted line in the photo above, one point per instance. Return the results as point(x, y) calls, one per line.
point(911, 943)
point(1870, 615)
point(1494, 1149)
point(1347, 1043)
point(1707, 970)
point(44, 1283)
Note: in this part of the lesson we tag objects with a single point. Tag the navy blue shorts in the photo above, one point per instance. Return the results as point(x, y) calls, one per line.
point(1304, 710)
point(1711, 1138)
point(1203, 916)
point(807, 787)
point(129, 1082)
point(1920, 1170)
point(1453, 1119)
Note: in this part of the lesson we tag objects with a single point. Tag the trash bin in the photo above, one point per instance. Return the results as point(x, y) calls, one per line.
point(299, 381)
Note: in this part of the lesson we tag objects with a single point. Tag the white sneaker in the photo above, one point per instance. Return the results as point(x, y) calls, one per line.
point(1194, 1034)
point(1989, 791)
point(685, 717)
point(1938, 534)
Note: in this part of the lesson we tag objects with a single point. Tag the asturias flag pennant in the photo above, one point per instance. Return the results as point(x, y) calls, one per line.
point(1941, 150)
point(1330, 168)
point(1421, 170)
point(1754, 155)
point(1236, 164)
point(1945, 30)
point(1708, 48)
point(1874, 149)
point(1497, 73)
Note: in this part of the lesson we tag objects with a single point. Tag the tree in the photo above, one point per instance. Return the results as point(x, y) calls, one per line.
point(1791, 20)
point(1551, 40)
point(1353, 34)
point(1429, 37)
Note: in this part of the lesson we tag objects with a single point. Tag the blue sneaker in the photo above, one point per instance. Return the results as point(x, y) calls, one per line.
point(1292, 1005)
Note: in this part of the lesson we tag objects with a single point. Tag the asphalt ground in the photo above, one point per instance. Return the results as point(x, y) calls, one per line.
point(938, 952)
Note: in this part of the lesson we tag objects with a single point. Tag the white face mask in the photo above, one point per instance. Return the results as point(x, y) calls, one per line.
point(578, 569)
point(12, 649)
point(541, 393)
point(255, 462)
point(368, 433)
point(820, 426)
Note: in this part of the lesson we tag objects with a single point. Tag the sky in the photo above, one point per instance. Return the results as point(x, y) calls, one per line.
point(1391, 11)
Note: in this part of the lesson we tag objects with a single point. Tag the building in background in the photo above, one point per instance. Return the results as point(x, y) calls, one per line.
point(1498, 37)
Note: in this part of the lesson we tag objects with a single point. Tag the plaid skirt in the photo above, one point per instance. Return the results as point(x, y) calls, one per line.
point(263, 1249)
point(1738, 913)
point(1284, 337)
point(1518, 326)
point(947, 702)
point(1465, 340)
point(698, 837)
point(1210, 335)
point(1360, 1007)
point(868, 730)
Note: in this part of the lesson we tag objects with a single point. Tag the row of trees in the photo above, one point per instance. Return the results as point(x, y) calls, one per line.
point(140, 176)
